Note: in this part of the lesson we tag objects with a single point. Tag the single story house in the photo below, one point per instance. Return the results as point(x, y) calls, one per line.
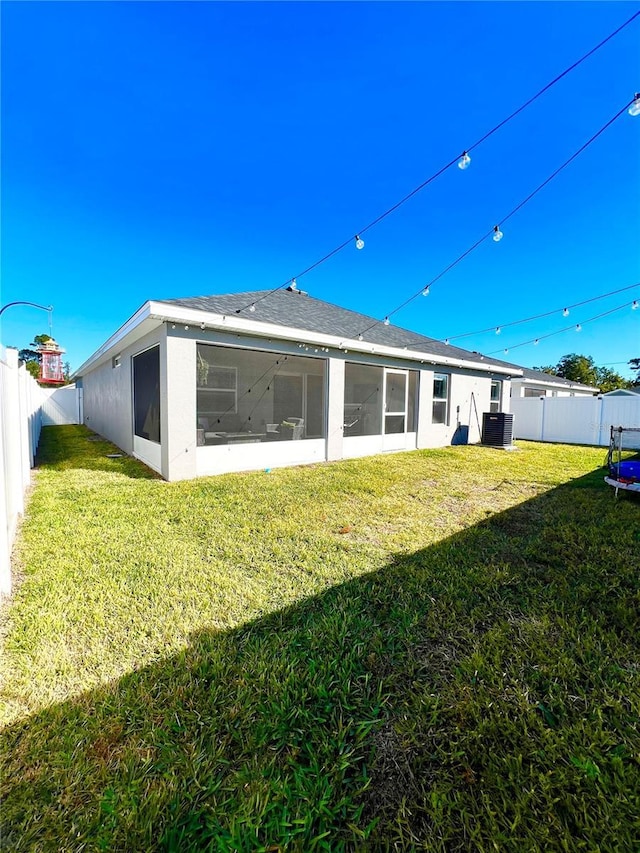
point(243, 381)
point(537, 383)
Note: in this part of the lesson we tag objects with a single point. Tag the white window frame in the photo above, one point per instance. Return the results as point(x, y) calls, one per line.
point(445, 399)
point(223, 390)
point(496, 405)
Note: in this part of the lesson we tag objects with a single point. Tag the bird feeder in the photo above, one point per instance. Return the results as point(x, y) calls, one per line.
point(51, 370)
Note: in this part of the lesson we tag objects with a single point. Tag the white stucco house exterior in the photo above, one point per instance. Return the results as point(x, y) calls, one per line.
point(536, 383)
point(234, 382)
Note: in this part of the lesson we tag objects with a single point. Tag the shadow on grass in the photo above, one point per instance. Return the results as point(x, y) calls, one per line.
point(75, 446)
point(479, 694)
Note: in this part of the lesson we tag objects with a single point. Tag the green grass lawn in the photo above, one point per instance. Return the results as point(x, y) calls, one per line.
point(434, 650)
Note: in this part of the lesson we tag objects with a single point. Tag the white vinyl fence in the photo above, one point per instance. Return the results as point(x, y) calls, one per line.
point(575, 420)
point(24, 408)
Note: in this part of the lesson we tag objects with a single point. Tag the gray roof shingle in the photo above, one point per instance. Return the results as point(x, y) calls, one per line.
point(296, 309)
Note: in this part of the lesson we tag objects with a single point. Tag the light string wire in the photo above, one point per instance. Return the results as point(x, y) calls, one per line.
point(444, 168)
point(280, 364)
point(231, 409)
point(512, 212)
point(540, 316)
point(560, 331)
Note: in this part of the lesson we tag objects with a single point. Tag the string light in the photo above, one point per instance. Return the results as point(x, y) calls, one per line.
point(444, 168)
point(425, 291)
point(252, 307)
point(565, 313)
point(498, 330)
point(634, 109)
point(386, 321)
point(495, 231)
point(578, 327)
point(634, 305)
point(536, 342)
point(294, 284)
point(359, 242)
point(567, 328)
point(464, 161)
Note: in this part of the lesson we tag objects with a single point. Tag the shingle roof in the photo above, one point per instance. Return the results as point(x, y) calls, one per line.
point(296, 309)
point(541, 376)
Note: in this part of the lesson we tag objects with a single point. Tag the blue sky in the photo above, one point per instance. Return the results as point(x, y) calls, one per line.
point(157, 150)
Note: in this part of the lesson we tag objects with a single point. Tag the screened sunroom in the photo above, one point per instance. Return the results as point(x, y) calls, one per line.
point(249, 396)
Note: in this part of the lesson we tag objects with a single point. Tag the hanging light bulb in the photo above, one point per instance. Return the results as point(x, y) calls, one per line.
point(386, 321)
point(497, 234)
point(634, 109)
point(498, 330)
point(506, 351)
point(446, 341)
point(294, 284)
point(463, 162)
point(359, 242)
point(578, 327)
point(634, 305)
point(536, 342)
point(360, 337)
point(565, 312)
point(425, 292)
point(252, 308)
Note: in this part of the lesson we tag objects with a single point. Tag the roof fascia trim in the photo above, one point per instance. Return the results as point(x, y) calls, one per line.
point(143, 313)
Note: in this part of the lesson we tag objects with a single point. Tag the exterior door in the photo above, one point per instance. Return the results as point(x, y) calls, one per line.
point(396, 392)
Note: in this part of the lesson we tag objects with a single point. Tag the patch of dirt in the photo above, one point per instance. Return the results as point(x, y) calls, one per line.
point(392, 779)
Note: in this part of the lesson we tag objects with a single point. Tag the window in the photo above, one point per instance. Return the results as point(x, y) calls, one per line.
point(440, 398)
point(534, 392)
point(146, 394)
point(217, 384)
point(496, 396)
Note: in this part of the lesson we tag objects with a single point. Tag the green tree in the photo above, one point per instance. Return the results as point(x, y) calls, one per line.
point(609, 380)
point(583, 369)
point(578, 368)
point(30, 355)
point(634, 364)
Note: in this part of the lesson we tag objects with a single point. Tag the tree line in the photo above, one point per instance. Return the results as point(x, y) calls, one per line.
point(583, 369)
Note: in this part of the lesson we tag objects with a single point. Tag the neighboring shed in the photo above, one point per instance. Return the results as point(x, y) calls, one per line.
point(632, 393)
point(242, 381)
